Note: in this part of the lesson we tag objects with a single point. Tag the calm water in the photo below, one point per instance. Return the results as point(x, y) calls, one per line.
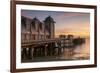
point(79, 52)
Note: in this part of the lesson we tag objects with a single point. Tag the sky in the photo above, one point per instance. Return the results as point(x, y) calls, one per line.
point(74, 23)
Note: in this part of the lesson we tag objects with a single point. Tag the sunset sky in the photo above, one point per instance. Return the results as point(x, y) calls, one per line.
point(66, 22)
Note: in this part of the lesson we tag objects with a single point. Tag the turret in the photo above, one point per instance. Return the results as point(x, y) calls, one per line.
point(49, 26)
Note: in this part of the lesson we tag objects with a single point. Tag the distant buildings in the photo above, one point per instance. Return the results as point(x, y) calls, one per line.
point(34, 29)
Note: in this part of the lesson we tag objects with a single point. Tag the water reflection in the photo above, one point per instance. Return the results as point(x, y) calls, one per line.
point(79, 52)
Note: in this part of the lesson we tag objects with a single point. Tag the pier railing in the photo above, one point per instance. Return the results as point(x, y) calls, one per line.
point(25, 43)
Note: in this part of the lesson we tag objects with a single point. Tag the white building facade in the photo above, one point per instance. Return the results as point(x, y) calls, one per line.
point(34, 29)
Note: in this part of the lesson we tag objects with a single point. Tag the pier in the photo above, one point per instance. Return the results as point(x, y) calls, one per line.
point(47, 47)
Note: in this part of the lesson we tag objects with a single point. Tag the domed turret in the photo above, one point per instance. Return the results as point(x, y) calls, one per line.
point(35, 20)
point(49, 26)
point(49, 19)
point(35, 23)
